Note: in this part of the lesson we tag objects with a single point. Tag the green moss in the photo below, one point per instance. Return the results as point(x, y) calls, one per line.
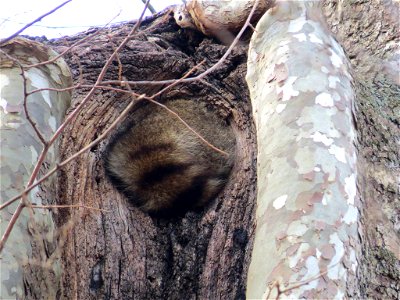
point(388, 264)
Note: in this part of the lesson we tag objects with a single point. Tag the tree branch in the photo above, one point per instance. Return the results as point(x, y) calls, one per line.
point(3, 41)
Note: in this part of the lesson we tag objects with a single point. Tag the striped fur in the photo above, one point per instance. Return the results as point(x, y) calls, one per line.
point(161, 166)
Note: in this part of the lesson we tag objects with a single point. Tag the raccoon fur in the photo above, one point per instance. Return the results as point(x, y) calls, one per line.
point(164, 168)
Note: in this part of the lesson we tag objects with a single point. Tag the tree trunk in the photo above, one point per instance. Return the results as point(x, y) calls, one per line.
point(123, 253)
point(368, 31)
point(307, 211)
point(26, 256)
point(120, 252)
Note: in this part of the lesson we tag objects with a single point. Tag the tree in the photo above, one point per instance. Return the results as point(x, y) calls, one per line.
point(301, 93)
point(120, 252)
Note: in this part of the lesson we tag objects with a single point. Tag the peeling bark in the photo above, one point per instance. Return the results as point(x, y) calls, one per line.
point(307, 210)
point(24, 260)
point(123, 253)
point(219, 19)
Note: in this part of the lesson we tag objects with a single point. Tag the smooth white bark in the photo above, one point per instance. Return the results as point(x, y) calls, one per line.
point(20, 148)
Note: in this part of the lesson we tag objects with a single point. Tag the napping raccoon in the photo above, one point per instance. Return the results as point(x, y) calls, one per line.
point(163, 167)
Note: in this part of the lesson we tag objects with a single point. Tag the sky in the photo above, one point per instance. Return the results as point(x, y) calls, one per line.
point(74, 17)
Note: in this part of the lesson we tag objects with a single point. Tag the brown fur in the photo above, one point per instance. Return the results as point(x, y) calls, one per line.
point(161, 166)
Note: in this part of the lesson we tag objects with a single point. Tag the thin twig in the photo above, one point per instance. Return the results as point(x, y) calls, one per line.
point(151, 99)
point(99, 82)
point(69, 206)
point(11, 224)
point(307, 281)
point(3, 41)
point(205, 73)
point(252, 27)
point(91, 145)
point(180, 80)
point(58, 90)
point(30, 184)
point(190, 128)
point(85, 39)
point(296, 285)
point(118, 60)
point(75, 87)
point(150, 7)
point(28, 117)
point(95, 142)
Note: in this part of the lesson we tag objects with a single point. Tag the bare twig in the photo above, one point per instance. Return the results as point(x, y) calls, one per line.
point(28, 117)
point(11, 225)
point(30, 184)
point(307, 281)
point(190, 128)
point(69, 206)
point(118, 60)
point(80, 80)
point(85, 39)
point(151, 99)
point(206, 72)
point(100, 84)
point(92, 144)
point(3, 41)
point(58, 90)
point(150, 7)
point(296, 285)
point(252, 27)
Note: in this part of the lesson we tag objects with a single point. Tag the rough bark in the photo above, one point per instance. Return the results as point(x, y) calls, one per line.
point(368, 31)
point(124, 253)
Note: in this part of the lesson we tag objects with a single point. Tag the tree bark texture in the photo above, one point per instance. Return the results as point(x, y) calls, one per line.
point(307, 211)
point(368, 31)
point(124, 253)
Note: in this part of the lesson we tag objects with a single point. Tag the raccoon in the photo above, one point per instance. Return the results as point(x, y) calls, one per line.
point(164, 168)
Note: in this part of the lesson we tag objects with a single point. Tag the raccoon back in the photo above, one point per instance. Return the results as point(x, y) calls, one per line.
point(163, 167)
